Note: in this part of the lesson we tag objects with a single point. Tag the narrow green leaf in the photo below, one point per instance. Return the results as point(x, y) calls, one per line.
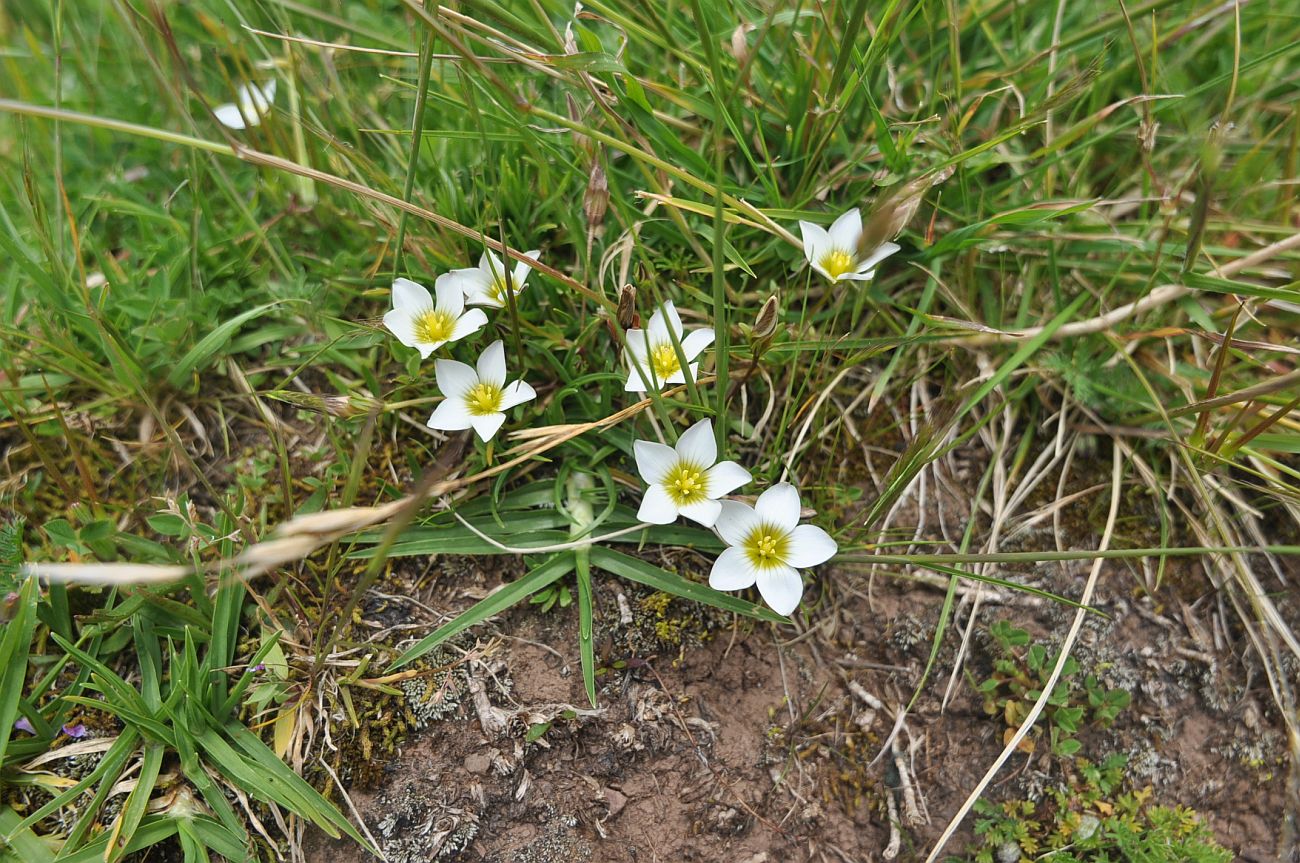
point(498, 602)
point(635, 569)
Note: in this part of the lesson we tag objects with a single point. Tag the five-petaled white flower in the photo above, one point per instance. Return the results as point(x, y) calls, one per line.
point(419, 322)
point(651, 358)
point(685, 481)
point(477, 398)
point(485, 285)
point(768, 546)
point(250, 105)
point(835, 253)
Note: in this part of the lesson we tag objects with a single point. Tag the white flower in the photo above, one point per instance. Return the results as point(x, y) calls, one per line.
point(479, 398)
point(834, 253)
point(419, 322)
point(685, 481)
point(250, 105)
point(650, 355)
point(485, 285)
point(768, 546)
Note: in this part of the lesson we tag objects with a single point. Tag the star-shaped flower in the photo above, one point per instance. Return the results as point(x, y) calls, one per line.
point(485, 285)
point(651, 358)
point(768, 546)
point(420, 323)
point(835, 253)
point(477, 398)
point(250, 105)
point(685, 481)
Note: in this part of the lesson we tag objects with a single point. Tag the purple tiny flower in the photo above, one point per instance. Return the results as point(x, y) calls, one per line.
point(261, 666)
point(24, 724)
point(76, 732)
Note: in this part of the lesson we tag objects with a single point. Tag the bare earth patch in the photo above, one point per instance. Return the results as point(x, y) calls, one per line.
point(756, 746)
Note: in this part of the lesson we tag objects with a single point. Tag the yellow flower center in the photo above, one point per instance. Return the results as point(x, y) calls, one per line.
point(686, 484)
point(483, 399)
point(837, 262)
point(432, 326)
point(766, 546)
point(498, 290)
point(664, 361)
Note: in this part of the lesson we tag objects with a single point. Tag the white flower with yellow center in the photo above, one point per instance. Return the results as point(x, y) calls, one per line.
point(768, 547)
point(420, 323)
point(685, 481)
point(477, 398)
point(835, 253)
point(250, 105)
point(485, 285)
point(651, 358)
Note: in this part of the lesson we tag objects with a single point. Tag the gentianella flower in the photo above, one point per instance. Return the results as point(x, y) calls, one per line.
point(485, 285)
point(835, 253)
point(685, 481)
point(477, 398)
point(421, 323)
point(651, 358)
point(768, 547)
point(250, 105)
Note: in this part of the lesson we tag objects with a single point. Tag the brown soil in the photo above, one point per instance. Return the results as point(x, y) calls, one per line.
point(752, 745)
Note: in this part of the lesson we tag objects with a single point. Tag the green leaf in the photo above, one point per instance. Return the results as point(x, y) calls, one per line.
point(208, 346)
point(635, 569)
point(14, 644)
point(498, 602)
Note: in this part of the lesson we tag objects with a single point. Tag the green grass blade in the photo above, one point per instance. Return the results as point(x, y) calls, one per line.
point(498, 602)
point(635, 569)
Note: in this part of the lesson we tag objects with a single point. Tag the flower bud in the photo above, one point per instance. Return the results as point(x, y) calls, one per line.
point(765, 323)
point(894, 209)
point(596, 200)
point(342, 406)
point(626, 315)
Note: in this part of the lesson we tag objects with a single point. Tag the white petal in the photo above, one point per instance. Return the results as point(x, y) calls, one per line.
point(724, 478)
point(471, 280)
point(735, 521)
point(454, 379)
point(779, 505)
point(268, 94)
point(664, 317)
point(636, 343)
point(703, 511)
point(782, 588)
point(491, 266)
point(516, 394)
point(673, 320)
point(696, 342)
point(855, 276)
point(450, 415)
point(468, 323)
point(679, 376)
point(697, 446)
point(451, 299)
point(487, 424)
point(732, 571)
point(846, 233)
point(229, 116)
point(809, 546)
point(411, 296)
point(815, 242)
point(492, 364)
point(521, 271)
point(653, 460)
point(657, 506)
point(401, 324)
point(884, 250)
point(635, 382)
